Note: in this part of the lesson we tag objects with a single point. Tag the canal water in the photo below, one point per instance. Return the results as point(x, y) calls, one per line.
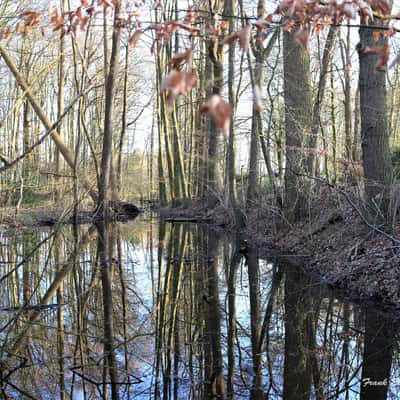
point(151, 310)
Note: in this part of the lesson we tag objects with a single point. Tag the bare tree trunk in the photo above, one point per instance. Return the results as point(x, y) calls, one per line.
point(347, 98)
point(356, 136)
point(124, 121)
point(106, 159)
point(60, 106)
point(229, 8)
point(257, 134)
point(298, 111)
point(252, 260)
point(313, 139)
point(231, 295)
point(374, 131)
point(215, 388)
point(215, 55)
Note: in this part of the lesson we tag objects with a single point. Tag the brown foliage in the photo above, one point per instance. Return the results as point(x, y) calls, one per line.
point(220, 110)
point(178, 83)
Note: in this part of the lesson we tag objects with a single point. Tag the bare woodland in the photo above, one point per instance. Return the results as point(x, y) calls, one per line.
point(275, 119)
point(101, 95)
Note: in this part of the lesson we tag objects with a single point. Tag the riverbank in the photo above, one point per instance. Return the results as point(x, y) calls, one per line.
point(50, 215)
point(333, 243)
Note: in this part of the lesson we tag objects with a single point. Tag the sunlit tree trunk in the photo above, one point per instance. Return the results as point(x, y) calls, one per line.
point(316, 112)
point(111, 78)
point(215, 68)
point(60, 105)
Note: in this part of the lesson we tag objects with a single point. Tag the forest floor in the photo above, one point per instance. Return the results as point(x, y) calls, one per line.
point(333, 243)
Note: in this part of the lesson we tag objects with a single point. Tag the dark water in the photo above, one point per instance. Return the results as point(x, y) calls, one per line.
point(143, 310)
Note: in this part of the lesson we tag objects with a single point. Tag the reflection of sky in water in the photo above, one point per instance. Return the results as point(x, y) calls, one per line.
point(141, 276)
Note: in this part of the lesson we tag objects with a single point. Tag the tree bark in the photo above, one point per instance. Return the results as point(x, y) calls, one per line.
point(257, 138)
point(298, 111)
point(374, 131)
point(106, 159)
point(313, 139)
point(215, 56)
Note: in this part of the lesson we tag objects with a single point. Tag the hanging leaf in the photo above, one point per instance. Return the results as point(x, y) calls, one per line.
point(178, 83)
point(220, 111)
point(373, 49)
point(179, 25)
point(383, 57)
point(381, 6)
point(224, 25)
point(261, 24)
point(366, 14)
point(83, 23)
point(376, 35)
point(179, 58)
point(230, 38)
point(244, 37)
point(134, 39)
point(56, 19)
point(301, 37)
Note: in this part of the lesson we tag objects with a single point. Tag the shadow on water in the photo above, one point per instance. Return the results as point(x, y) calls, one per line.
point(143, 310)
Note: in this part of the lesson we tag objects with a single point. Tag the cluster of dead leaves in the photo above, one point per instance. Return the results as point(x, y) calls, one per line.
point(163, 33)
point(383, 53)
point(69, 21)
point(220, 111)
point(243, 36)
point(178, 83)
point(304, 15)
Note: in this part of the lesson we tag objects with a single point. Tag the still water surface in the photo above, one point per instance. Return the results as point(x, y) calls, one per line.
point(146, 310)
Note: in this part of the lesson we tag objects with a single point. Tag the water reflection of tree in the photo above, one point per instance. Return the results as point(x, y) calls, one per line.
point(297, 366)
point(215, 386)
point(107, 327)
point(233, 261)
point(257, 392)
point(377, 358)
point(105, 243)
point(188, 322)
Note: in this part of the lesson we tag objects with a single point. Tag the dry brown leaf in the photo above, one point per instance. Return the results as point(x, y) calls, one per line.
point(134, 39)
point(179, 58)
point(178, 83)
point(301, 37)
point(220, 110)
